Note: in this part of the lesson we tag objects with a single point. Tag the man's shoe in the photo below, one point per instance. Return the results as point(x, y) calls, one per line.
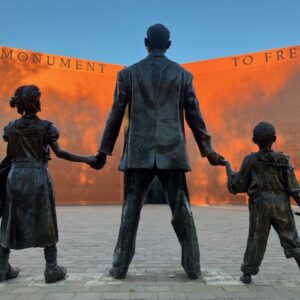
point(56, 274)
point(114, 272)
point(12, 273)
point(193, 275)
point(246, 278)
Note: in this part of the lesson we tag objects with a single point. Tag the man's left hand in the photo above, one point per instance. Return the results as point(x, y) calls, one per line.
point(100, 161)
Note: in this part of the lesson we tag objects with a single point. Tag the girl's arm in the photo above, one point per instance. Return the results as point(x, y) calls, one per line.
point(8, 158)
point(69, 156)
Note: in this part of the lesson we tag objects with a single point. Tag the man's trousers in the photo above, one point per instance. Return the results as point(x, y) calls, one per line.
point(136, 186)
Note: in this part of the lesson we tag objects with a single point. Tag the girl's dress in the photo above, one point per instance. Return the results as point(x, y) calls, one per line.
point(29, 216)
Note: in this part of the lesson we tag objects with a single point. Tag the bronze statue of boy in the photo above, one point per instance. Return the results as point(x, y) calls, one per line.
point(269, 180)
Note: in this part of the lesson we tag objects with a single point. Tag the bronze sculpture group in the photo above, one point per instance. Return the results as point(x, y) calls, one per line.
point(159, 96)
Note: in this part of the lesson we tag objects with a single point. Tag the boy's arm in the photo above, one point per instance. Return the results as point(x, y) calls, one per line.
point(229, 170)
point(293, 187)
point(238, 182)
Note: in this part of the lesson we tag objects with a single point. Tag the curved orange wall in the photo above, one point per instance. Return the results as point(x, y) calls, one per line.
point(76, 98)
point(234, 93)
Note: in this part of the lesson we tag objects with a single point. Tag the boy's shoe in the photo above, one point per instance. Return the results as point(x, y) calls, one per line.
point(193, 275)
point(6, 270)
point(55, 274)
point(246, 278)
point(12, 272)
point(297, 212)
point(114, 272)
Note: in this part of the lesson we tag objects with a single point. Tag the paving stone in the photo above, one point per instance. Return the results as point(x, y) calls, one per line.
point(87, 296)
point(200, 295)
point(21, 290)
point(115, 296)
point(7, 296)
point(60, 296)
point(171, 295)
point(143, 296)
point(156, 288)
point(29, 296)
point(156, 272)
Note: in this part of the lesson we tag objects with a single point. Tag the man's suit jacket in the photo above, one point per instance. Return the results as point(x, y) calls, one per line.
point(158, 93)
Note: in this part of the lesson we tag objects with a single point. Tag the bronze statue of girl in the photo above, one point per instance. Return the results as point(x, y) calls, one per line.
point(29, 217)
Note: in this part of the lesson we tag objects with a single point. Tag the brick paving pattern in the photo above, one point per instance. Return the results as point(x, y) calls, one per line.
point(87, 240)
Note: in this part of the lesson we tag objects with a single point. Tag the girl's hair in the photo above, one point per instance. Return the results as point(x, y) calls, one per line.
point(26, 99)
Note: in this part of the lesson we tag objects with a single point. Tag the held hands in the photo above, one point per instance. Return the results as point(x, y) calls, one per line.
point(229, 170)
point(98, 161)
point(216, 159)
point(92, 161)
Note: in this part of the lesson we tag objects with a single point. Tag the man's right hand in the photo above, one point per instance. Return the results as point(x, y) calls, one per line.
point(101, 160)
point(216, 159)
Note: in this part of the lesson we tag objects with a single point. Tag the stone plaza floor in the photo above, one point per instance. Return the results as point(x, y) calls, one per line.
point(87, 240)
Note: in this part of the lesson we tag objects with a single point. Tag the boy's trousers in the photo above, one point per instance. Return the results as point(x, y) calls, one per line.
point(266, 210)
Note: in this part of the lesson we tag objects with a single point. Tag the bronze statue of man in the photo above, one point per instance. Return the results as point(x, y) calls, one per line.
point(158, 93)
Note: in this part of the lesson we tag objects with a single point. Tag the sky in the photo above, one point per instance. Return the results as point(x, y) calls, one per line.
point(113, 31)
